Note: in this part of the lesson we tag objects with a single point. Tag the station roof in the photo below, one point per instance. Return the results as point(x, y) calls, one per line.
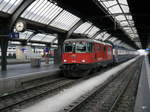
point(105, 20)
point(141, 15)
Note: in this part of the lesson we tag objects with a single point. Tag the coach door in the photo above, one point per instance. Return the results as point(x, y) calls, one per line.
point(104, 53)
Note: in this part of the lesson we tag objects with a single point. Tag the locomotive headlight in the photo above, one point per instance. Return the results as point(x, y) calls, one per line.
point(83, 61)
point(65, 60)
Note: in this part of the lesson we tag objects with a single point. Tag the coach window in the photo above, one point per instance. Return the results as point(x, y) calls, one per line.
point(109, 51)
point(104, 49)
point(68, 47)
point(89, 47)
point(99, 48)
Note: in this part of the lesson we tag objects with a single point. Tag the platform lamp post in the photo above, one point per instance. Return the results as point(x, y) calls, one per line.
point(4, 46)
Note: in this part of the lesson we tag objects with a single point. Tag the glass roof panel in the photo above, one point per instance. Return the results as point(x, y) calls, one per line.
point(132, 35)
point(9, 6)
point(65, 20)
point(129, 31)
point(105, 36)
point(134, 29)
point(129, 17)
point(123, 2)
point(43, 37)
point(110, 39)
point(115, 9)
point(91, 31)
point(126, 28)
point(48, 38)
point(124, 23)
point(131, 23)
point(83, 27)
point(113, 39)
point(120, 8)
point(56, 41)
point(108, 3)
point(120, 18)
point(102, 35)
point(116, 41)
point(125, 8)
point(42, 11)
point(25, 34)
point(38, 37)
point(49, 13)
point(98, 36)
point(36, 44)
point(14, 42)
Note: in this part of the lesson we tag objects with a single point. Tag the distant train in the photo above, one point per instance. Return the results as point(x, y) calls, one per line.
point(81, 56)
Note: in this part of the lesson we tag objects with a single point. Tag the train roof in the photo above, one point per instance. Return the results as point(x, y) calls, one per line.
point(88, 40)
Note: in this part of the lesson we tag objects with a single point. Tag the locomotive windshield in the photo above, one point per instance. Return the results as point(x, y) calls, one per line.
point(68, 47)
point(81, 47)
point(77, 47)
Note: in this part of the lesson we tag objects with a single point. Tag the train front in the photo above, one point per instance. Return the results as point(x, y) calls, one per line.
point(76, 57)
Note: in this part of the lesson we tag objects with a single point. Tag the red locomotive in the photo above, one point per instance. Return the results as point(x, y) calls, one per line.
point(80, 56)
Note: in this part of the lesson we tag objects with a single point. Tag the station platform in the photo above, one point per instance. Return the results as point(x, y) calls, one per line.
point(143, 95)
point(19, 73)
point(21, 61)
point(16, 61)
point(25, 69)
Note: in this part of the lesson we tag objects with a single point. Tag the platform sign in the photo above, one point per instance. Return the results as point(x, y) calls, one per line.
point(23, 49)
point(148, 49)
point(14, 35)
point(46, 50)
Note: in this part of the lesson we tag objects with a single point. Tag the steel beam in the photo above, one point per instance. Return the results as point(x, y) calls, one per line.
point(32, 35)
point(31, 41)
point(24, 5)
point(97, 33)
point(107, 38)
point(74, 28)
point(32, 25)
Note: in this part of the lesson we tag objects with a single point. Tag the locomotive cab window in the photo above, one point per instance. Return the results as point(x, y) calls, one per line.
point(68, 47)
point(81, 47)
point(77, 47)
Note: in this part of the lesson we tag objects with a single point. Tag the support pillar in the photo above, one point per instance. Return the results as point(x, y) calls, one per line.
point(4, 46)
point(58, 51)
point(34, 49)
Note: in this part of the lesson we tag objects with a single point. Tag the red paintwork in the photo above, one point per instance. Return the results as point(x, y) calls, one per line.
point(77, 57)
point(96, 56)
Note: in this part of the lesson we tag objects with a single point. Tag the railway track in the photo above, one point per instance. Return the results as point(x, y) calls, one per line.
point(37, 90)
point(126, 100)
point(115, 95)
point(9, 102)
